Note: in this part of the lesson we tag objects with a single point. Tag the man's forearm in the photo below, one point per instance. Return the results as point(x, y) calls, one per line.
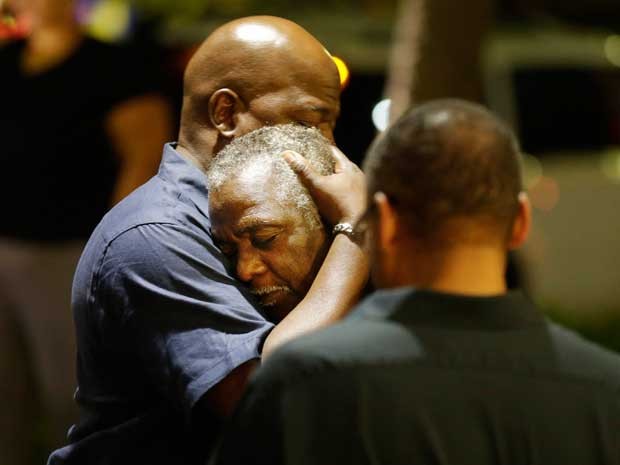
point(137, 129)
point(333, 293)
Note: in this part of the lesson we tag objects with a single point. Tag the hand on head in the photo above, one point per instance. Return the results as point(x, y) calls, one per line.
point(340, 197)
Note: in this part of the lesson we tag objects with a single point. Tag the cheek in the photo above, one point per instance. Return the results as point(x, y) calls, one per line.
point(293, 261)
point(308, 256)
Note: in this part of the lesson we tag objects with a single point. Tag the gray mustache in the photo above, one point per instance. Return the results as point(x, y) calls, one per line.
point(269, 289)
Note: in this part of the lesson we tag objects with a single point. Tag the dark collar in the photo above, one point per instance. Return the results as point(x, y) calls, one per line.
point(412, 307)
point(191, 180)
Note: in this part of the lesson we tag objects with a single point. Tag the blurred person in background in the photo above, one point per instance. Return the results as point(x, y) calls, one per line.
point(166, 335)
point(443, 364)
point(82, 124)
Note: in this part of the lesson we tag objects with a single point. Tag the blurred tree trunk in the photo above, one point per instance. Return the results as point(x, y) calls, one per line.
point(436, 51)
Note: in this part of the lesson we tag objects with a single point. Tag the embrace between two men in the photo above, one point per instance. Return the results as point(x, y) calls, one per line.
point(193, 278)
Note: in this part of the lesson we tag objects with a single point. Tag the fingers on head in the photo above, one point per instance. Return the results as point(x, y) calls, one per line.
point(340, 159)
point(297, 163)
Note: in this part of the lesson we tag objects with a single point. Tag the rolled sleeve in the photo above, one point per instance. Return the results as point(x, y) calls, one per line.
point(189, 322)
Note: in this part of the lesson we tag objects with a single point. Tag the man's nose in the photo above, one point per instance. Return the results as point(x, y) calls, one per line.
point(249, 265)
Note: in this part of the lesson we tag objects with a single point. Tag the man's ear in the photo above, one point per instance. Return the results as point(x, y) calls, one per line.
point(522, 223)
point(387, 221)
point(224, 105)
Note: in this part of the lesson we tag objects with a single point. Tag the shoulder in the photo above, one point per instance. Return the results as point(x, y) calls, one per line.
point(368, 334)
point(349, 344)
point(584, 358)
point(155, 202)
point(169, 271)
point(154, 231)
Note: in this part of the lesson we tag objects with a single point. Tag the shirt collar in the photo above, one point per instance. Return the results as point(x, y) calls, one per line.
point(190, 179)
point(413, 307)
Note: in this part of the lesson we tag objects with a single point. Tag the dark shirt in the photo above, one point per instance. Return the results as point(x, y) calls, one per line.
point(159, 321)
point(59, 166)
point(417, 377)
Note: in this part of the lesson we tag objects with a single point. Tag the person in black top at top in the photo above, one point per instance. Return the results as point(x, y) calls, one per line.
point(442, 364)
point(82, 124)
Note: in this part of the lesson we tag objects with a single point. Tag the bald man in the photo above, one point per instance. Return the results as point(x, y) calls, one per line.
point(166, 336)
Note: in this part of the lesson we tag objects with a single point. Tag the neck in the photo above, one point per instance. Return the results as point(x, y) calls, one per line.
point(476, 270)
point(198, 146)
point(189, 154)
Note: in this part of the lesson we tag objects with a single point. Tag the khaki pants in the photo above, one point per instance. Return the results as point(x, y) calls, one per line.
point(37, 347)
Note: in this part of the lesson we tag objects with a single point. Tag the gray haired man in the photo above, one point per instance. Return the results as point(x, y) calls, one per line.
point(264, 219)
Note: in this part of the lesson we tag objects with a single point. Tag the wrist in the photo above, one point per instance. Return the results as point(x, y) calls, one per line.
point(343, 227)
point(346, 229)
point(348, 217)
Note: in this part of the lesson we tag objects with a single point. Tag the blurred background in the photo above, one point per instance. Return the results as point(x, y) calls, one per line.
point(550, 69)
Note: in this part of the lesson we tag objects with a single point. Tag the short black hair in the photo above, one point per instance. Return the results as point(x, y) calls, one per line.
point(447, 159)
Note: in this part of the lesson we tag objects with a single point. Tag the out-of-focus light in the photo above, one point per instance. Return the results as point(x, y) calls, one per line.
point(14, 28)
point(381, 114)
point(545, 194)
point(343, 71)
point(8, 21)
point(610, 165)
point(532, 170)
point(612, 49)
point(109, 20)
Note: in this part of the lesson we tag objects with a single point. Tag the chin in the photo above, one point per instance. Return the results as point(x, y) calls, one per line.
point(278, 310)
point(275, 315)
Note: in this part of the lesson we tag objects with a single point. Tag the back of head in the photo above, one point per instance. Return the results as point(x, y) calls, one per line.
point(241, 61)
point(240, 55)
point(451, 169)
point(260, 152)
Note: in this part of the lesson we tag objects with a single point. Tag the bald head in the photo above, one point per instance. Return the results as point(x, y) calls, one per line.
point(448, 160)
point(253, 72)
point(248, 53)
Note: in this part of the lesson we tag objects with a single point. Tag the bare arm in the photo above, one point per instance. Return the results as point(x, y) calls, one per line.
point(138, 128)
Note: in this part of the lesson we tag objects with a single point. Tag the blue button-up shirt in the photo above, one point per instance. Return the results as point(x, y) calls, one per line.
point(160, 320)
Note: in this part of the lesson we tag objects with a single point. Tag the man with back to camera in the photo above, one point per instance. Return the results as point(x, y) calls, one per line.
point(166, 335)
point(442, 364)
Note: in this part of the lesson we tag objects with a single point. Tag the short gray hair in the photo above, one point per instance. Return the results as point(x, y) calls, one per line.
point(262, 148)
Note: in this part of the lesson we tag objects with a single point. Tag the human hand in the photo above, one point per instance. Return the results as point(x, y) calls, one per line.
point(340, 197)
